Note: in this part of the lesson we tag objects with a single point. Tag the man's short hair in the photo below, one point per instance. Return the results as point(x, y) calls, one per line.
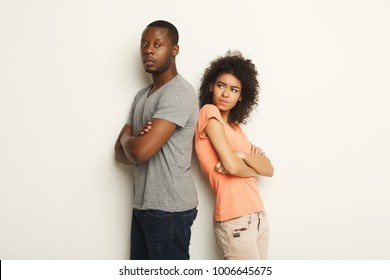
point(173, 34)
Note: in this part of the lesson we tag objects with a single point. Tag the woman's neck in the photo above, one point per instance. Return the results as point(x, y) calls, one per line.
point(225, 117)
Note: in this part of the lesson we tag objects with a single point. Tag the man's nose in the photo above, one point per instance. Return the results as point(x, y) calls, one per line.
point(149, 49)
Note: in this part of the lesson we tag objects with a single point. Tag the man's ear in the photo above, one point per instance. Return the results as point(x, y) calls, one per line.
point(175, 50)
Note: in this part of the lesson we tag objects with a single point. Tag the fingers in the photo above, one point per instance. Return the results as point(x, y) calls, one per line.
point(257, 151)
point(220, 169)
point(146, 128)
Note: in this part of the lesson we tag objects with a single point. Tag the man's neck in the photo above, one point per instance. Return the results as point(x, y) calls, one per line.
point(162, 78)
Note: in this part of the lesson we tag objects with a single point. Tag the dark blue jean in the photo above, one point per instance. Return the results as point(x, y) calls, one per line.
point(160, 235)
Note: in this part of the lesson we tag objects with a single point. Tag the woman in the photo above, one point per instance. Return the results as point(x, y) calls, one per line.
point(228, 94)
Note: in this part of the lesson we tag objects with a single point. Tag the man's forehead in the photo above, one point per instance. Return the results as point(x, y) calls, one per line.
point(156, 32)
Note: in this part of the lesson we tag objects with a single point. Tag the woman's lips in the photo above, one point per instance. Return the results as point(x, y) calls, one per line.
point(224, 102)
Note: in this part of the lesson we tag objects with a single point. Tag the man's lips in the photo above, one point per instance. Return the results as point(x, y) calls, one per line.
point(149, 61)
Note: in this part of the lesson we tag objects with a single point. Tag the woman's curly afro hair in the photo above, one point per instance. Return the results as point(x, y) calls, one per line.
point(244, 70)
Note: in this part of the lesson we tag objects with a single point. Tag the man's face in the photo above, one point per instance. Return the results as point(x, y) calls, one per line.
point(156, 50)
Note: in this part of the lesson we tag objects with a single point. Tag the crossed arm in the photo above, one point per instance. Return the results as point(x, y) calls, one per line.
point(130, 149)
point(236, 163)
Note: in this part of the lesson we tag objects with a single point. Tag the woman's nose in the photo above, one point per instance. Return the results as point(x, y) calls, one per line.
point(225, 92)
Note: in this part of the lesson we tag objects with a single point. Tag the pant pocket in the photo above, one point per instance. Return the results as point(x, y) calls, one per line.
point(239, 230)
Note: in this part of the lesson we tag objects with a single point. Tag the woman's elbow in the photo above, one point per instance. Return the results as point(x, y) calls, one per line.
point(269, 172)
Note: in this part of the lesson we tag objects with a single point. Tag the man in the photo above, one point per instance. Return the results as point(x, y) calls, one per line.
point(165, 197)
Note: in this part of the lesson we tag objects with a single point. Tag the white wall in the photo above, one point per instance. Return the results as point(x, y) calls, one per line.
point(69, 71)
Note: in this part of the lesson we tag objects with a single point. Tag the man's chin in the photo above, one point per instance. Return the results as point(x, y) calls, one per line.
point(150, 71)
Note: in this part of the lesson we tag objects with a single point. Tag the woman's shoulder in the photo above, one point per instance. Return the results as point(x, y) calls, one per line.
point(209, 108)
point(209, 111)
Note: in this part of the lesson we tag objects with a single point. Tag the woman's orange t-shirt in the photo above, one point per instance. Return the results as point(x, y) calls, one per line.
point(234, 196)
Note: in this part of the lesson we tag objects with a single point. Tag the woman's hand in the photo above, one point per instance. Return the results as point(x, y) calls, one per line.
point(220, 169)
point(256, 151)
point(257, 160)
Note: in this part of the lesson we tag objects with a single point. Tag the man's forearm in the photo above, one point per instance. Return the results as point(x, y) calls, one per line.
point(126, 145)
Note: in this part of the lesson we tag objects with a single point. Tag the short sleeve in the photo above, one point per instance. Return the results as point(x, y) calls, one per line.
point(177, 105)
point(207, 112)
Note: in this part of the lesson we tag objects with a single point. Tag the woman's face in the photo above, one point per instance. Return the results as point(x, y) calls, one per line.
point(226, 92)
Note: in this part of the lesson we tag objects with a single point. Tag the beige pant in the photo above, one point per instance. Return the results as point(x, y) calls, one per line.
point(243, 238)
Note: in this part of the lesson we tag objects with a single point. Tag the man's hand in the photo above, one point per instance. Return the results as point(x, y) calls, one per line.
point(146, 128)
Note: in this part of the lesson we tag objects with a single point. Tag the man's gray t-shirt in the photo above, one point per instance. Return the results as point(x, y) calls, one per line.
point(164, 182)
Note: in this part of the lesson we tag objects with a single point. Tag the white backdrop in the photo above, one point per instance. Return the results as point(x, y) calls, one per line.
point(70, 69)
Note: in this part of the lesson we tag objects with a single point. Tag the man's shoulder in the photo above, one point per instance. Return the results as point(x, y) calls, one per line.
point(180, 82)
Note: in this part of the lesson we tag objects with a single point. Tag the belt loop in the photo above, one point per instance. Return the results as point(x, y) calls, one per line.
point(262, 213)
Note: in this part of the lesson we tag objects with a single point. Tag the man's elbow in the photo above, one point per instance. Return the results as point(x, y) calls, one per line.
point(138, 156)
point(121, 158)
point(132, 154)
